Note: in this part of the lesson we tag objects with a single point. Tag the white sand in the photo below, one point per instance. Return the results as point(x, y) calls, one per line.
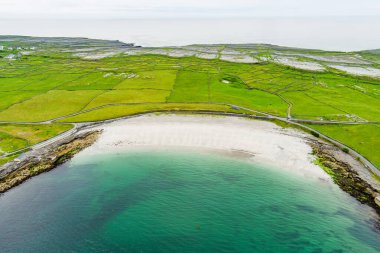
point(265, 142)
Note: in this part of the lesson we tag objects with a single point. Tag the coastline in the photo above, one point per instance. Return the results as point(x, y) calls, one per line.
point(261, 141)
point(44, 159)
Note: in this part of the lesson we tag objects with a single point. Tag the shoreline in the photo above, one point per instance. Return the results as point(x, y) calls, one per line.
point(45, 159)
point(264, 141)
point(261, 141)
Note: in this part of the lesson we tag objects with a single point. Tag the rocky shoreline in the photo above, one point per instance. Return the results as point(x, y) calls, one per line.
point(362, 187)
point(41, 161)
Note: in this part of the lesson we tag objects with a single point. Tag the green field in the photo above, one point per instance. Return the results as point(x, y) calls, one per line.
point(20, 136)
point(365, 139)
point(56, 83)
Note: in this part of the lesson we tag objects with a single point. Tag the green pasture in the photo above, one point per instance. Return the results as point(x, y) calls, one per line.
point(117, 111)
point(16, 137)
point(129, 96)
point(158, 79)
point(57, 85)
point(47, 106)
point(365, 139)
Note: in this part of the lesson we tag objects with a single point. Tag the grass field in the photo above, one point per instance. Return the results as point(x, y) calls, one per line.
point(54, 82)
point(118, 111)
point(365, 139)
point(15, 137)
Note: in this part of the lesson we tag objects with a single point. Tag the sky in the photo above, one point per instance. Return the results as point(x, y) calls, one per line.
point(26, 9)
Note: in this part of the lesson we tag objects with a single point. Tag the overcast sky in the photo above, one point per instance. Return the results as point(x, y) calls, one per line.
point(184, 8)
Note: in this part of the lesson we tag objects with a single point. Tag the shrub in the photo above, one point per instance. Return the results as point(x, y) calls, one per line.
point(345, 150)
point(315, 134)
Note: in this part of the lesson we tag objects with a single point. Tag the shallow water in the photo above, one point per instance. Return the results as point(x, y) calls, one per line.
point(180, 202)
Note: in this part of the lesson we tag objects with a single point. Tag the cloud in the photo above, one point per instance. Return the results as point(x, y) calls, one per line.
point(182, 8)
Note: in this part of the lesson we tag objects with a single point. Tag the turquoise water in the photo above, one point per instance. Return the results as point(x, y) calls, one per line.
point(180, 202)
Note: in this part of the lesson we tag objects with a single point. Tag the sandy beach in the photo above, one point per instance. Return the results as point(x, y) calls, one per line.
point(262, 142)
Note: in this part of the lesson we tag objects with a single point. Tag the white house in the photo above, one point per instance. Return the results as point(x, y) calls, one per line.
point(1, 48)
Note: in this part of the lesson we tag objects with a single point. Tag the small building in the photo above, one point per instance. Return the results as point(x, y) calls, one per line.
point(1, 48)
point(19, 48)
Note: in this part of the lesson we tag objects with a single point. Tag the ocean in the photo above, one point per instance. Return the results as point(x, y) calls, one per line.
point(172, 201)
point(328, 33)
